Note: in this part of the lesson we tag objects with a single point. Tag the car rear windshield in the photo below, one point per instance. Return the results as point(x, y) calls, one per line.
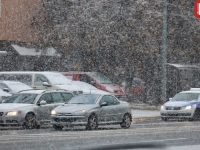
point(22, 98)
point(186, 97)
point(84, 99)
point(101, 78)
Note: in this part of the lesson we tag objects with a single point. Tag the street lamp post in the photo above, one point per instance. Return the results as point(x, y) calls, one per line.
point(164, 53)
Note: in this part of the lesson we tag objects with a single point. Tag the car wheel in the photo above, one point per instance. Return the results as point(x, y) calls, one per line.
point(57, 127)
point(164, 119)
point(92, 122)
point(196, 115)
point(30, 121)
point(126, 121)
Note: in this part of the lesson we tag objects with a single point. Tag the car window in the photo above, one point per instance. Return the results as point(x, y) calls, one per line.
point(66, 96)
point(115, 101)
point(110, 100)
point(46, 97)
point(85, 78)
point(186, 97)
point(84, 99)
point(24, 78)
point(2, 86)
point(57, 97)
point(39, 79)
point(21, 98)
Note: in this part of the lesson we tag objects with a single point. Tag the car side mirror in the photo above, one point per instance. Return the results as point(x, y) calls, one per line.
point(43, 102)
point(104, 104)
point(5, 89)
point(46, 84)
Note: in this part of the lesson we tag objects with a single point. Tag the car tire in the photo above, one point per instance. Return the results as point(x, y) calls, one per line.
point(164, 119)
point(126, 121)
point(196, 115)
point(57, 127)
point(92, 122)
point(30, 121)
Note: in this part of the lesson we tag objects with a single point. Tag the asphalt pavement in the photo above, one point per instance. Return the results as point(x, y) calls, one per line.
point(142, 110)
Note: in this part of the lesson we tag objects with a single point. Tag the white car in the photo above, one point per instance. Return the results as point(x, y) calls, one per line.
point(4, 95)
point(184, 105)
point(46, 80)
point(32, 108)
point(13, 86)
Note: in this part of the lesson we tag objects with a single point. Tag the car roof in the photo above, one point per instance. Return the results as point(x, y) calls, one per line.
point(190, 92)
point(10, 82)
point(27, 72)
point(42, 91)
point(80, 72)
point(32, 91)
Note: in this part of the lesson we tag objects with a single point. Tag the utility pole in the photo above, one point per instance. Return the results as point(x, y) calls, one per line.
point(164, 53)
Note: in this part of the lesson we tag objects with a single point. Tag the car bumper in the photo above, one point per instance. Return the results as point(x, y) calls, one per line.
point(177, 113)
point(11, 120)
point(69, 120)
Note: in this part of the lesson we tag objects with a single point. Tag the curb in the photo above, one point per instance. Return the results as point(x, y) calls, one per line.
point(145, 118)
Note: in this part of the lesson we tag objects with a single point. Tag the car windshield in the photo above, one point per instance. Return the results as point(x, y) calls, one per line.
point(57, 79)
point(101, 78)
point(186, 97)
point(22, 98)
point(84, 99)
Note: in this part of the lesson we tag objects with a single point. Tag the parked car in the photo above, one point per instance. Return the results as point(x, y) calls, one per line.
point(137, 90)
point(92, 110)
point(88, 88)
point(99, 81)
point(184, 105)
point(32, 108)
point(4, 95)
point(13, 86)
point(41, 80)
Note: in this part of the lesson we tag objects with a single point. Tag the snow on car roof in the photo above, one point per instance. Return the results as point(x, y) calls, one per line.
point(28, 72)
point(2, 93)
point(190, 92)
point(33, 91)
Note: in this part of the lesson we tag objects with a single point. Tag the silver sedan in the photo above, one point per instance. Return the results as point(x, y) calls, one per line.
point(92, 110)
point(31, 108)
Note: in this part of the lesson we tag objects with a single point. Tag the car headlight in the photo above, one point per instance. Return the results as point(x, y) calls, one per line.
point(53, 112)
point(14, 113)
point(188, 107)
point(80, 112)
point(162, 107)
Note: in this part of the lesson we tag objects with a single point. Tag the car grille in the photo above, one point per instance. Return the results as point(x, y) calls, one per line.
point(173, 108)
point(175, 114)
point(1, 113)
point(64, 114)
point(65, 119)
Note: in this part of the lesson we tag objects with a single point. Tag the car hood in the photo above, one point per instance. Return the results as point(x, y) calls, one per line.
point(69, 87)
point(12, 106)
point(72, 108)
point(179, 103)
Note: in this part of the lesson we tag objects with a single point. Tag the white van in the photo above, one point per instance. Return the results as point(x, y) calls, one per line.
point(42, 80)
